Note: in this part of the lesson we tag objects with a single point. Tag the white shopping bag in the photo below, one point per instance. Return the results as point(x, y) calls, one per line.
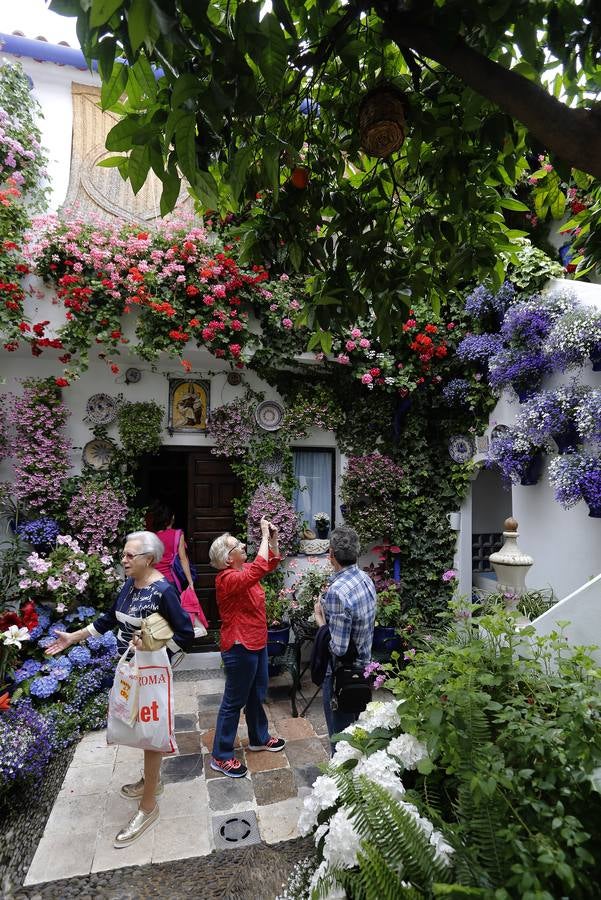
point(154, 728)
point(124, 696)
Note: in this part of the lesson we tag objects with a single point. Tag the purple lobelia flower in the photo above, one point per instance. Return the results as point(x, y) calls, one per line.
point(479, 348)
point(26, 740)
point(575, 477)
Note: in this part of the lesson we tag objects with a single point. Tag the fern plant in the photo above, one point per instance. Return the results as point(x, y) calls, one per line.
point(395, 851)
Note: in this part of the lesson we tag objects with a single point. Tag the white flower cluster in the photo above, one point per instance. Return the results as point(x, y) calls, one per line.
point(382, 769)
point(323, 796)
point(576, 333)
point(341, 840)
point(588, 415)
point(379, 714)
point(408, 750)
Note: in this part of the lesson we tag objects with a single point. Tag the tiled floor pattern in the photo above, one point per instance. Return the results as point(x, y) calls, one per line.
point(89, 811)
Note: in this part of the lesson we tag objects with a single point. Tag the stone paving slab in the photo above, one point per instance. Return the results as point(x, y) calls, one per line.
point(88, 812)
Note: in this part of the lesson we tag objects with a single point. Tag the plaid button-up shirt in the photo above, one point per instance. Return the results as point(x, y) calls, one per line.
point(350, 608)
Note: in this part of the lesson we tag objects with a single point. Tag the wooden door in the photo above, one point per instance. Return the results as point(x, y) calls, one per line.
point(212, 487)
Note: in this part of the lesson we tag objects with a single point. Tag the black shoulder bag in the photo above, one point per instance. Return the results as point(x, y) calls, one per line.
point(351, 691)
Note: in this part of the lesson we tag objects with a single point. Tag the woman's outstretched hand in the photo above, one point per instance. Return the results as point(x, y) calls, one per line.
point(62, 642)
point(266, 527)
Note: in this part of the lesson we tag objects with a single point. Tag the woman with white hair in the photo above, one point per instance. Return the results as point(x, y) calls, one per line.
point(145, 591)
point(241, 602)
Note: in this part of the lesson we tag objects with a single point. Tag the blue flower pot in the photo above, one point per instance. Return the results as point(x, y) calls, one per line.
point(386, 639)
point(594, 512)
point(277, 640)
point(568, 439)
point(534, 470)
point(595, 358)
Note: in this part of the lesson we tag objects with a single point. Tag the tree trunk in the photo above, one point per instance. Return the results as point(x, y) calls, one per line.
point(572, 134)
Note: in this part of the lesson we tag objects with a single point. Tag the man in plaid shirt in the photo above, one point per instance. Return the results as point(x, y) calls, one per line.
point(349, 610)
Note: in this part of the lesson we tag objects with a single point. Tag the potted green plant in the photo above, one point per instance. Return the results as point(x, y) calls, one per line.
point(322, 524)
point(308, 588)
point(388, 615)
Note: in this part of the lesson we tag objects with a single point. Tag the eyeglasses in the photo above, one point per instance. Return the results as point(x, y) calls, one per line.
point(237, 546)
point(133, 555)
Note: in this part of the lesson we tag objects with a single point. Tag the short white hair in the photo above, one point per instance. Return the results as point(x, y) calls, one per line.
point(219, 551)
point(149, 542)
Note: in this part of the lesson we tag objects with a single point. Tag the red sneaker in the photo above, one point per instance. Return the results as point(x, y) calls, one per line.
point(274, 745)
point(233, 768)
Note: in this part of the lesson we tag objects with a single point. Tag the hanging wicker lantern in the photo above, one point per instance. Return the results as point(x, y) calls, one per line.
point(382, 121)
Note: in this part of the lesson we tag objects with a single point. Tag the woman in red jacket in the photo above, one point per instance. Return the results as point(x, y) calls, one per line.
point(241, 602)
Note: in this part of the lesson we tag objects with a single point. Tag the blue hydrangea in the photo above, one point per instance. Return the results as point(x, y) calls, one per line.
point(44, 686)
point(110, 641)
point(46, 641)
point(95, 644)
point(80, 657)
point(86, 612)
point(61, 668)
point(43, 623)
point(29, 668)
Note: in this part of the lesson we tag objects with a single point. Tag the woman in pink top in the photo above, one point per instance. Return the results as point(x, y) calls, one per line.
point(162, 519)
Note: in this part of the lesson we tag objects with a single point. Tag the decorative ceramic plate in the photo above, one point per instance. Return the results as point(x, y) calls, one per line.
point(97, 453)
point(132, 376)
point(269, 415)
point(461, 448)
point(499, 431)
point(273, 464)
point(315, 547)
point(101, 409)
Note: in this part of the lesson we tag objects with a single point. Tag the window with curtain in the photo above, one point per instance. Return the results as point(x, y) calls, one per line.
point(314, 471)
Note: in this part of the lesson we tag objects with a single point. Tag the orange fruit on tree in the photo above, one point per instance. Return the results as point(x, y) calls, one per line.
point(300, 177)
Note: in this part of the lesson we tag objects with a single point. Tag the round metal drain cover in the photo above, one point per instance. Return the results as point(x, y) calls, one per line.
point(235, 829)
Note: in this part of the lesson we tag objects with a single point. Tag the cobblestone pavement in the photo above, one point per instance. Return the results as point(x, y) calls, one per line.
point(250, 873)
point(201, 810)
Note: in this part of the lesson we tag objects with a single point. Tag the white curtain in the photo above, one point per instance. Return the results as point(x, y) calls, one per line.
point(313, 471)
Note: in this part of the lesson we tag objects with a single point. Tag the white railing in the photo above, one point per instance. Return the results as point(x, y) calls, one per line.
point(582, 610)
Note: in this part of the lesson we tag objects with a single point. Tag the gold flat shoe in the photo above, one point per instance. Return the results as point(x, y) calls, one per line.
point(136, 827)
point(134, 791)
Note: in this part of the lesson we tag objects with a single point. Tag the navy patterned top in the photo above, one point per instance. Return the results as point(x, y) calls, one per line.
point(134, 604)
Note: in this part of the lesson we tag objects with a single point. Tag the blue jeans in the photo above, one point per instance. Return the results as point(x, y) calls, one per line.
point(335, 720)
point(246, 681)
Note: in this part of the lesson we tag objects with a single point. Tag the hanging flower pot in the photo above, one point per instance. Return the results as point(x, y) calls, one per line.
point(594, 511)
point(382, 121)
point(595, 358)
point(533, 470)
point(568, 439)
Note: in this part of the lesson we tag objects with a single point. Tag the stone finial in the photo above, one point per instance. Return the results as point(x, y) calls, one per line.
point(510, 563)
